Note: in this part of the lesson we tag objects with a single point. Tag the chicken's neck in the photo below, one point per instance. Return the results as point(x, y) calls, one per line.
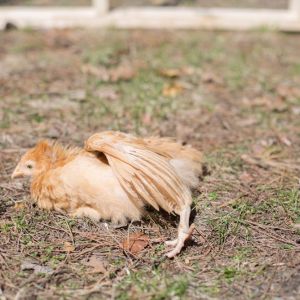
point(54, 158)
point(47, 164)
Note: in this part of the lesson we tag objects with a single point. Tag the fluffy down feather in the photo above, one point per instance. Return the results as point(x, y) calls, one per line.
point(114, 177)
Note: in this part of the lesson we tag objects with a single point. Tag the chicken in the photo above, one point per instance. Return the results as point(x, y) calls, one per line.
point(114, 177)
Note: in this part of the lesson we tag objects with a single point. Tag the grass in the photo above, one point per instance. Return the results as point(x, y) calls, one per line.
point(281, 202)
point(158, 286)
point(246, 244)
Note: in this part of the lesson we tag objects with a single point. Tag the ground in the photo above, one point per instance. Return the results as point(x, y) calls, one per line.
point(234, 96)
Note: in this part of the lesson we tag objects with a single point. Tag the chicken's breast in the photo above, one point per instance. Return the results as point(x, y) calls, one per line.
point(95, 191)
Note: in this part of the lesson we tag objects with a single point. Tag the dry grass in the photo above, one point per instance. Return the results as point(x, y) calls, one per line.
point(236, 96)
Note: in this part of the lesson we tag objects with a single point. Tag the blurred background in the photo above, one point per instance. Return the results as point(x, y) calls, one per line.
point(118, 3)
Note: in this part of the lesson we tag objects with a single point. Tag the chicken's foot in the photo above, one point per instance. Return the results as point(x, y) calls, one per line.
point(184, 232)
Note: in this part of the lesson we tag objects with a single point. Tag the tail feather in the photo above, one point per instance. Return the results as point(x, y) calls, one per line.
point(188, 171)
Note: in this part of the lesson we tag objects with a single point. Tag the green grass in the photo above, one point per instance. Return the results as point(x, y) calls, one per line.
point(231, 223)
point(296, 69)
point(7, 118)
point(230, 257)
point(157, 287)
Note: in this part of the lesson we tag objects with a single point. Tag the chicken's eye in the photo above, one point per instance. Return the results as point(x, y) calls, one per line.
point(29, 166)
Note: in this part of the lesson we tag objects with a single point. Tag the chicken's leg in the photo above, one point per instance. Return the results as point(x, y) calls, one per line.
point(184, 232)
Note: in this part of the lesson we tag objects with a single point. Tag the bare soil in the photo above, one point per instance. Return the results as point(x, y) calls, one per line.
point(235, 96)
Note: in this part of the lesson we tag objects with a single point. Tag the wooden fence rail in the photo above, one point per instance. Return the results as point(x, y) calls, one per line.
point(99, 15)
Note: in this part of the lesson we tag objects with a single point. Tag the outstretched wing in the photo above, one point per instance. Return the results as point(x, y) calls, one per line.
point(144, 174)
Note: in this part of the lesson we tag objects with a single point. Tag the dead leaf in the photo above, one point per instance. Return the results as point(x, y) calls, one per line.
point(285, 91)
point(260, 101)
point(172, 90)
point(170, 73)
point(135, 242)
point(107, 93)
point(209, 77)
point(78, 95)
point(175, 73)
point(273, 104)
point(285, 140)
point(68, 247)
point(188, 70)
point(278, 105)
point(19, 205)
point(96, 263)
point(246, 177)
point(253, 161)
point(99, 72)
point(248, 122)
point(122, 72)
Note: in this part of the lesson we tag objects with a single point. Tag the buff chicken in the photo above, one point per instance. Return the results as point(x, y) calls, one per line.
point(114, 177)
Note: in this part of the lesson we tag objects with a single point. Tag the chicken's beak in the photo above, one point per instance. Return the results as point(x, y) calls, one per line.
point(16, 174)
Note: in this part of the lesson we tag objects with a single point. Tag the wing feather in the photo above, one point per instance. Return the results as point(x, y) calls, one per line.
point(144, 175)
point(164, 168)
point(159, 168)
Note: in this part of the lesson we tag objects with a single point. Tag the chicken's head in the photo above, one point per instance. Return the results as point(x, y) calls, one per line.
point(34, 161)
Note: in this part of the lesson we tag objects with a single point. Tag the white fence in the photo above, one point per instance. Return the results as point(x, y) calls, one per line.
point(99, 15)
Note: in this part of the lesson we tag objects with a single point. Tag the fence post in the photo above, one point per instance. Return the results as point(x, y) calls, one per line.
point(101, 6)
point(294, 6)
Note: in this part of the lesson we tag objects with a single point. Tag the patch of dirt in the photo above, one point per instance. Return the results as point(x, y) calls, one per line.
point(235, 96)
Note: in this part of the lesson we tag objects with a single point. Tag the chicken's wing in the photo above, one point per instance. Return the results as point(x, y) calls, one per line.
point(142, 173)
point(146, 175)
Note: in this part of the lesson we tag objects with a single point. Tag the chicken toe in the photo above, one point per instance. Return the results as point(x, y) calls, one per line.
point(182, 237)
point(184, 232)
point(171, 243)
